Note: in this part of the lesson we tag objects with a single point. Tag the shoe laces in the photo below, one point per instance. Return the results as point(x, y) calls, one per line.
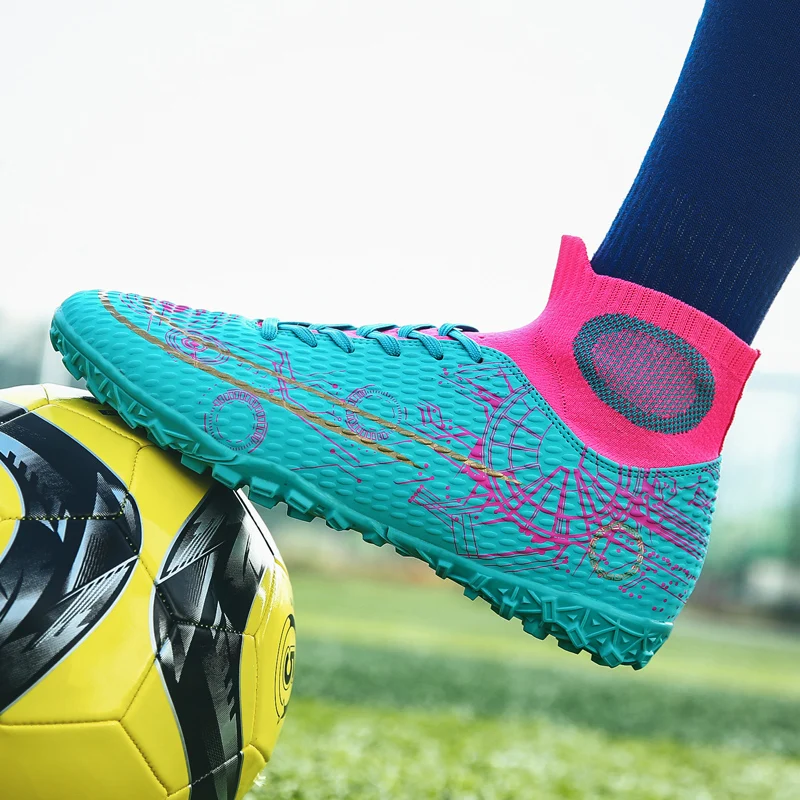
point(308, 333)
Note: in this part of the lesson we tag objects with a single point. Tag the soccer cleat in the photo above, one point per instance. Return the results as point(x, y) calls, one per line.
point(565, 472)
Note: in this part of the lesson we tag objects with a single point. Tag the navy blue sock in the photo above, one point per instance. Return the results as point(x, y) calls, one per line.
point(713, 217)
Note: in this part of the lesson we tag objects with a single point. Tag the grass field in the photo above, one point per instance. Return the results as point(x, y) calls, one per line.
point(407, 691)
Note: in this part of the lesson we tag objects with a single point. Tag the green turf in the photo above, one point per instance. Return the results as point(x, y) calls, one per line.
point(354, 752)
point(409, 691)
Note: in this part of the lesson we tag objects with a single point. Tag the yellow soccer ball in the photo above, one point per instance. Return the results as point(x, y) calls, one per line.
point(146, 625)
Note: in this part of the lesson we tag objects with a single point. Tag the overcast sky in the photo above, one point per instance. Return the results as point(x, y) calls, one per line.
point(360, 161)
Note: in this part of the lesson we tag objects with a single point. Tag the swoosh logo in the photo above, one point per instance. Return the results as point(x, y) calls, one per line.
point(303, 413)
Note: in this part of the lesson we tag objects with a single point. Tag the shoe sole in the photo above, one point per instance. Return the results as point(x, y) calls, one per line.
point(576, 622)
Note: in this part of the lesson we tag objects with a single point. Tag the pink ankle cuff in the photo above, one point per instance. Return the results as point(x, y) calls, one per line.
point(546, 350)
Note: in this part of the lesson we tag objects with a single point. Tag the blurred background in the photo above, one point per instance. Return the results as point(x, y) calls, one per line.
point(369, 161)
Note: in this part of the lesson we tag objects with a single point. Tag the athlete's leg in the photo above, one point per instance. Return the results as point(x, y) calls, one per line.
point(713, 217)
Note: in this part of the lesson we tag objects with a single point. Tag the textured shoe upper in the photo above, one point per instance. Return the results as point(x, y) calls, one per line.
point(454, 446)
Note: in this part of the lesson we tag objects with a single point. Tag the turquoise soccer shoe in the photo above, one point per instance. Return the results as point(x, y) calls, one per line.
point(565, 472)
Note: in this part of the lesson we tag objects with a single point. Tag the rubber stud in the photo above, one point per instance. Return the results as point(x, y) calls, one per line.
point(154, 435)
point(299, 501)
point(535, 627)
point(611, 658)
point(578, 638)
point(337, 521)
point(374, 537)
point(443, 568)
point(507, 606)
point(259, 487)
point(262, 500)
point(72, 369)
point(194, 464)
point(295, 513)
point(100, 394)
point(227, 476)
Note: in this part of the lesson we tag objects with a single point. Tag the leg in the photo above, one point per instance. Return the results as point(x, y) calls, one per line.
point(713, 217)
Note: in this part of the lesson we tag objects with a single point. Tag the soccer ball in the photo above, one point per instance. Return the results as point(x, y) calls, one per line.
point(146, 626)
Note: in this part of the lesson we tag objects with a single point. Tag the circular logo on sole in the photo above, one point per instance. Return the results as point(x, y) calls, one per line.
point(284, 666)
point(237, 419)
point(623, 546)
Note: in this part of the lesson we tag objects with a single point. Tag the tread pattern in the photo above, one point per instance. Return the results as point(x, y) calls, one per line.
point(578, 624)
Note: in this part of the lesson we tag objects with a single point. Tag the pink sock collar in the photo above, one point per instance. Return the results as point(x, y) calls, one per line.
point(546, 352)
